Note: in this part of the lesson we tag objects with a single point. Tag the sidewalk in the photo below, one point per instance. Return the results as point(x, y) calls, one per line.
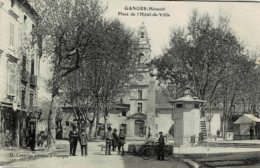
point(220, 146)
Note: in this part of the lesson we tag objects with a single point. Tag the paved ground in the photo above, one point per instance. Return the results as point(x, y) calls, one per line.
point(242, 159)
point(211, 154)
point(95, 159)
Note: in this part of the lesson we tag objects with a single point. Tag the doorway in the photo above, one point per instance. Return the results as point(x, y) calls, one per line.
point(139, 128)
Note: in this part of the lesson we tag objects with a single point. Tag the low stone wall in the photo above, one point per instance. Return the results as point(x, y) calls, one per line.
point(245, 137)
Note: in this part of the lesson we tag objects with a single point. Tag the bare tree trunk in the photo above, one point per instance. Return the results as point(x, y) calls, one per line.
point(52, 123)
point(105, 131)
point(225, 128)
point(91, 124)
point(96, 128)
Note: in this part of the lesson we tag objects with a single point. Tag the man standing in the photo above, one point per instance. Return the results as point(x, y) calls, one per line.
point(109, 138)
point(115, 140)
point(33, 140)
point(121, 142)
point(83, 139)
point(73, 135)
point(161, 146)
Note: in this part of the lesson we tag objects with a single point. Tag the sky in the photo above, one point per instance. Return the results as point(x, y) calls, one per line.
point(244, 20)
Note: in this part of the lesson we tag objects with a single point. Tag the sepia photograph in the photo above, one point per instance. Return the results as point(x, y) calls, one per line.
point(129, 83)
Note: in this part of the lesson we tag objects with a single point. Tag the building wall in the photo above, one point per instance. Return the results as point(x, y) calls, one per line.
point(13, 29)
point(117, 119)
point(215, 124)
point(163, 122)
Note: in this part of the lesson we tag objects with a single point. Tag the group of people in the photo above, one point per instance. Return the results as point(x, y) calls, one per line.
point(114, 140)
point(82, 137)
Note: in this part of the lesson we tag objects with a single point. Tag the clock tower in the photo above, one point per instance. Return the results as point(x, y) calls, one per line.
point(141, 92)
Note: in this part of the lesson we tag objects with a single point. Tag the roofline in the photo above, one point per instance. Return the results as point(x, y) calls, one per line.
point(29, 7)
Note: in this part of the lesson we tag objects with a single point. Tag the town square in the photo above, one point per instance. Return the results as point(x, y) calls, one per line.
point(110, 83)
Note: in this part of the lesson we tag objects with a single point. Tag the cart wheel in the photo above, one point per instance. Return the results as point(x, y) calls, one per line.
point(147, 153)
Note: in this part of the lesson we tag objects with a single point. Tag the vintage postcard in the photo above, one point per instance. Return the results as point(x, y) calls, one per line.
point(125, 84)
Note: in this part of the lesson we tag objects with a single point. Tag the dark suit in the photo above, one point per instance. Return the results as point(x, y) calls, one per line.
point(161, 147)
point(73, 141)
point(115, 141)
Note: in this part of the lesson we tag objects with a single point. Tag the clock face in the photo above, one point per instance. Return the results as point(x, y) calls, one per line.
point(140, 77)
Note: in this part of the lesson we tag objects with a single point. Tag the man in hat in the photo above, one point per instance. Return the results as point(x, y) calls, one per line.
point(109, 138)
point(161, 146)
point(83, 139)
point(121, 141)
point(73, 135)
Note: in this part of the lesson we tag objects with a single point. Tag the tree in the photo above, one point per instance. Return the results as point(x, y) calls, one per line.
point(204, 55)
point(91, 89)
point(67, 28)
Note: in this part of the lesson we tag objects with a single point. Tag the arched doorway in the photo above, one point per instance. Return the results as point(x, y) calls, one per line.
point(139, 128)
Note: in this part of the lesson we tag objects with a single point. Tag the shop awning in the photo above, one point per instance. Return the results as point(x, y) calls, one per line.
point(247, 119)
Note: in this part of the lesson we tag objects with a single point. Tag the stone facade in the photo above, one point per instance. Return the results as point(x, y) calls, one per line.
point(18, 72)
point(140, 118)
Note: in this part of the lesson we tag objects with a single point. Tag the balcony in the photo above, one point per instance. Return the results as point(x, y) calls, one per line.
point(33, 80)
point(25, 76)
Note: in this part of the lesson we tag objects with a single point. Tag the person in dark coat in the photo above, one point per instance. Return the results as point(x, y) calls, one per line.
point(32, 140)
point(83, 139)
point(109, 138)
point(161, 146)
point(73, 135)
point(115, 141)
point(251, 131)
point(121, 141)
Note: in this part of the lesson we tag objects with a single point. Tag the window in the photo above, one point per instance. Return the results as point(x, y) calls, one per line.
point(11, 78)
point(31, 100)
point(139, 107)
point(67, 123)
point(140, 94)
point(139, 58)
point(123, 113)
point(142, 34)
point(178, 105)
point(32, 67)
point(196, 106)
point(12, 3)
point(11, 40)
point(23, 99)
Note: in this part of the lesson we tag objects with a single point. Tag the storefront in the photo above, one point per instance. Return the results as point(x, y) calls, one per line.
point(7, 128)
